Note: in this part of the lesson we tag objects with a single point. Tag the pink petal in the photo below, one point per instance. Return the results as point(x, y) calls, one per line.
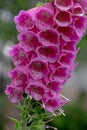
point(61, 73)
point(80, 25)
point(62, 43)
point(68, 33)
point(54, 87)
point(36, 90)
point(70, 47)
point(18, 56)
point(44, 18)
point(63, 18)
point(49, 37)
point(14, 93)
point(50, 7)
point(37, 69)
point(78, 10)
point(67, 58)
point(54, 66)
point(84, 4)
point(24, 21)
point(53, 103)
point(18, 77)
point(28, 40)
point(63, 4)
point(48, 53)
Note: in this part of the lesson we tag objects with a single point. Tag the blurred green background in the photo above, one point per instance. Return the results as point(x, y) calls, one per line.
point(75, 89)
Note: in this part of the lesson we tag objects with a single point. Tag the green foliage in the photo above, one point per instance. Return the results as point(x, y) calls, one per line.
point(39, 4)
point(32, 116)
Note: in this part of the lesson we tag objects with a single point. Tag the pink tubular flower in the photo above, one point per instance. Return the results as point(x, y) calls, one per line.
point(48, 53)
point(28, 40)
point(14, 93)
point(63, 4)
point(54, 87)
point(83, 4)
point(52, 103)
point(36, 89)
point(50, 7)
point(78, 10)
point(24, 21)
point(80, 25)
point(19, 77)
point(63, 18)
point(61, 73)
point(67, 58)
point(37, 69)
point(49, 37)
point(68, 33)
point(18, 56)
point(44, 18)
point(69, 47)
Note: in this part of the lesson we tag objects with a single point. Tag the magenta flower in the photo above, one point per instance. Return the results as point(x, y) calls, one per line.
point(28, 40)
point(37, 69)
point(83, 4)
point(63, 18)
point(49, 37)
point(24, 21)
point(48, 53)
point(61, 73)
point(36, 89)
point(19, 77)
point(18, 56)
point(80, 25)
point(54, 87)
point(63, 4)
point(67, 58)
point(14, 93)
point(78, 10)
point(68, 33)
point(44, 18)
point(52, 103)
point(69, 47)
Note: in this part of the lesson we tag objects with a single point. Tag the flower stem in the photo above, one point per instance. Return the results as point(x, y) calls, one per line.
point(32, 115)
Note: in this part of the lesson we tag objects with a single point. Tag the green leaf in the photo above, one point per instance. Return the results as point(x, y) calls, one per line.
point(39, 4)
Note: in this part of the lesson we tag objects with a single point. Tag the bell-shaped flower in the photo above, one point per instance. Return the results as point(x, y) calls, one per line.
point(18, 56)
point(19, 76)
point(51, 104)
point(67, 58)
point(54, 87)
point(37, 69)
point(63, 4)
point(69, 47)
point(80, 25)
point(48, 53)
point(61, 73)
point(49, 37)
point(36, 89)
point(28, 40)
point(63, 18)
point(84, 5)
point(68, 33)
point(44, 18)
point(77, 10)
point(23, 21)
point(14, 93)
